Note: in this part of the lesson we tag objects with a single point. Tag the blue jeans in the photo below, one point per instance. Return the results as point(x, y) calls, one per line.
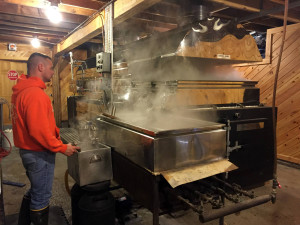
point(39, 168)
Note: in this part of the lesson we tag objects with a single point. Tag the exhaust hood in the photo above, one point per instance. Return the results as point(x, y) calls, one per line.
point(223, 41)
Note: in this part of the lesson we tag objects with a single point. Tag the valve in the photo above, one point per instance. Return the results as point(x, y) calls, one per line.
point(278, 185)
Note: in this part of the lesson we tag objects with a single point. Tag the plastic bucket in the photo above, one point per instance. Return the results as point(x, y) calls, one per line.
point(9, 135)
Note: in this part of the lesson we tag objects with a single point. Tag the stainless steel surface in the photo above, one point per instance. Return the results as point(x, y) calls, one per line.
point(164, 149)
point(91, 165)
point(69, 135)
point(162, 125)
point(190, 36)
point(207, 84)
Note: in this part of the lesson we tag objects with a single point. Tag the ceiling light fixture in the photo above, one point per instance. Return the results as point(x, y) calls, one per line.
point(35, 42)
point(53, 14)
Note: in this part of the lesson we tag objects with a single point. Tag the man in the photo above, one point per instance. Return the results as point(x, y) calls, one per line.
point(37, 136)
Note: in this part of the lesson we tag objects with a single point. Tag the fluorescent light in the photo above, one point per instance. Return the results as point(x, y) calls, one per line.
point(53, 14)
point(252, 32)
point(35, 42)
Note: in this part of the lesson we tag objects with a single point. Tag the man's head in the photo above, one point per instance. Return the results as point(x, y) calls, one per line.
point(39, 65)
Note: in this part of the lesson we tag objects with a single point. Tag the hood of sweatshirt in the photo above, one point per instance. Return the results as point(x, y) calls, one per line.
point(24, 82)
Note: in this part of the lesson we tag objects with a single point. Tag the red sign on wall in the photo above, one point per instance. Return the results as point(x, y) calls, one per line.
point(12, 75)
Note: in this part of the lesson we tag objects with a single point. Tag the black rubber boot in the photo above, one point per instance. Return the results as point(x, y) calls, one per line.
point(40, 217)
point(24, 215)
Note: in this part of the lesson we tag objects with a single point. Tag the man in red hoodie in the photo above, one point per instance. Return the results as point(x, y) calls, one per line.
point(37, 136)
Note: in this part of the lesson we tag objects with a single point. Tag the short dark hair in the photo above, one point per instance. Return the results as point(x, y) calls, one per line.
point(30, 60)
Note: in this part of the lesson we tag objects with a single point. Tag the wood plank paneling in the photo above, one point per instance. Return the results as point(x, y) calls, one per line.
point(22, 53)
point(7, 84)
point(16, 60)
point(238, 49)
point(65, 79)
point(288, 90)
point(285, 70)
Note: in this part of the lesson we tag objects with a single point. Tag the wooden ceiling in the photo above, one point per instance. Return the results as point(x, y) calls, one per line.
point(21, 20)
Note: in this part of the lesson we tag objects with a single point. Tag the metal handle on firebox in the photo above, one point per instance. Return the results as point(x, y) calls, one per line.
point(95, 158)
point(228, 148)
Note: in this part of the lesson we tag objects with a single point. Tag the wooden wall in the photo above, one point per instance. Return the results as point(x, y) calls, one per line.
point(65, 78)
point(7, 84)
point(288, 90)
point(16, 60)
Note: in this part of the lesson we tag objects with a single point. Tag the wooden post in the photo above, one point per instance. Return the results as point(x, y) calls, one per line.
point(56, 91)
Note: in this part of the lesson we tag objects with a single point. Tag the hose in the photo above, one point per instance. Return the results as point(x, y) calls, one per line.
point(67, 182)
point(275, 86)
point(4, 152)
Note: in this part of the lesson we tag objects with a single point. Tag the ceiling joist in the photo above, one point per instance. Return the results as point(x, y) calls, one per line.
point(67, 6)
point(36, 27)
point(252, 6)
point(9, 38)
point(123, 9)
point(133, 19)
point(30, 21)
point(33, 12)
point(83, 34)
point(271, 11)
point(289, 18)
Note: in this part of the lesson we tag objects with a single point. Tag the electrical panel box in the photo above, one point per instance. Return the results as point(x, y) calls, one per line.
point(103, 62)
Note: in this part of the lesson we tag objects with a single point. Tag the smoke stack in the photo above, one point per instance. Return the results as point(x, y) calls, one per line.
point(191, 12)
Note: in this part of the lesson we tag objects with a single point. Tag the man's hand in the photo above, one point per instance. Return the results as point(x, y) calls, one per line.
point(71, 149)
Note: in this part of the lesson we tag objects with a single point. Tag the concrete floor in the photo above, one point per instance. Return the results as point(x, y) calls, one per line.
point(284, 212)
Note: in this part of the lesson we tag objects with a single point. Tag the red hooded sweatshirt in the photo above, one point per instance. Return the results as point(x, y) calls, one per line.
point(33, 120)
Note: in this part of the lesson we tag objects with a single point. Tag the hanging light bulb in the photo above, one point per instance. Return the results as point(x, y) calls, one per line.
point(35, 42)
point(53, 14)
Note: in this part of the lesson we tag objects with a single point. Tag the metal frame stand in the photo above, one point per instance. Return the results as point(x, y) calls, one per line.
point(155, 210)
point(142, 185)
